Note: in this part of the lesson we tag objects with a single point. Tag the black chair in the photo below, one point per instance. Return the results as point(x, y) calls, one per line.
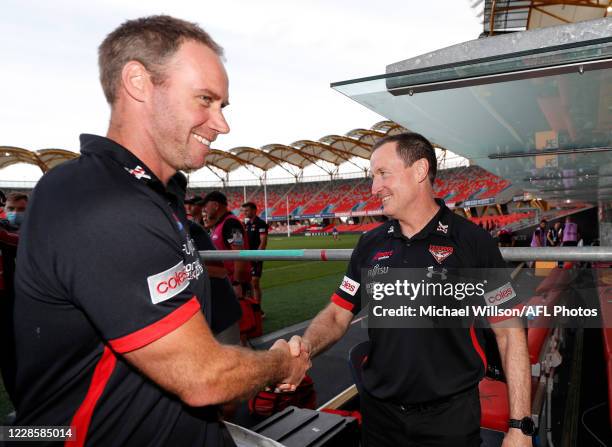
point(357, 356)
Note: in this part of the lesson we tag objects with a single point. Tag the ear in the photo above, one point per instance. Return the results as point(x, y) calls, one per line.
point(421, 169)
point(135, 80)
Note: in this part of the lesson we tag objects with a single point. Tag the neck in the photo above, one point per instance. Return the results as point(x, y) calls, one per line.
point(412, 222)
point(127, 130)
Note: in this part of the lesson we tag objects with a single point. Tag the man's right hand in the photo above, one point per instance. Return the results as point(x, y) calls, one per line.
point(297, 345)
point(298, 365)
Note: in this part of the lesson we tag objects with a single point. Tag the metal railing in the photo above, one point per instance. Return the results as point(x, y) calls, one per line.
point(581, 254)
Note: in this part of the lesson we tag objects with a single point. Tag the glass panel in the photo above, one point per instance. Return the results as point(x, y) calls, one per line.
point(528, 120)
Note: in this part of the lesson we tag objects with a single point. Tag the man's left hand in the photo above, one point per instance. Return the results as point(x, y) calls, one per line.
point(516, 438)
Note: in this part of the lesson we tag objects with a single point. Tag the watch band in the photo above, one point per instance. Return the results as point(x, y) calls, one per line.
point(525, 425)
point(514, 423)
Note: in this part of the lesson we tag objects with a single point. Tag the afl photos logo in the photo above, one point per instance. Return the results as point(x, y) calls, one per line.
point(168, 283)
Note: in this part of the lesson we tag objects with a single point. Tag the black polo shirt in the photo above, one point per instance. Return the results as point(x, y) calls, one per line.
point(255, 228)
point(224, 303)
point(106, 265)
point(413, 365)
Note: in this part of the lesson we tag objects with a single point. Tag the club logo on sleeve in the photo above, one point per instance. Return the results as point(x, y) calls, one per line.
point(440, 252)
point(500, 295)
point(349, 286)
point(168, 283)
point(236, 238)
point(382, 255)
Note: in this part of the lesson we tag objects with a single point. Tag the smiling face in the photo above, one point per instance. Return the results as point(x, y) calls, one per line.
point(185, 110)
point(396, 185)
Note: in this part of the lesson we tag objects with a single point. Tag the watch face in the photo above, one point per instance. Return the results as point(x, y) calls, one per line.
point(527, 426)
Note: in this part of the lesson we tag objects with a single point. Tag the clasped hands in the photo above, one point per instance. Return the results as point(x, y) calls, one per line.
point(299, 351)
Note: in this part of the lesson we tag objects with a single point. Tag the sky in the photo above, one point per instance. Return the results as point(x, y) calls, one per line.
point(281, 57)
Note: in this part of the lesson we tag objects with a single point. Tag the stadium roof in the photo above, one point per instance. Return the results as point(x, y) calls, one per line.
point(45, 159)
point(501, 16)
point(331, 150)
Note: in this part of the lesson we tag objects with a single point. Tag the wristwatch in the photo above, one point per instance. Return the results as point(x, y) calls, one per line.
point(526, 425)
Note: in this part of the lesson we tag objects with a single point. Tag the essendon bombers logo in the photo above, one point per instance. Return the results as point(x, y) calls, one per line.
point(500, 295)
point(440, 252)
point(349, 286)
point(168, 284)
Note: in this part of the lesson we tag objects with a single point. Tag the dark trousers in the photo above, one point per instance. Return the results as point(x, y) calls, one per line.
point(451, 423)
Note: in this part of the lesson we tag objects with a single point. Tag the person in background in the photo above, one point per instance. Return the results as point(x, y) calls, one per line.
point(554, 235)
point(227, 233)
point(2, 203)
point(571, 236)
point(225, 309)
point(505, 238)
point(9, 240)
point(538, 239)
point(257, 233)
point(15, 209)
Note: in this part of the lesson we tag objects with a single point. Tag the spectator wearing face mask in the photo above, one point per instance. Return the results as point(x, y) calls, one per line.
point(15, 209)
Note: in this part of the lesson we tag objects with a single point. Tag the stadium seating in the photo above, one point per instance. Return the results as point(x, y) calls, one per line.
point(354, 195)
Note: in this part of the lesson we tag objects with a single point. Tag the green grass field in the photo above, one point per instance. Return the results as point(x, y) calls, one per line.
point(294, 291)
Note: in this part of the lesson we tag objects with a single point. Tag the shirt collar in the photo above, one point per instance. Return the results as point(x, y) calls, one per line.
point(440, 225)
point(105, 147)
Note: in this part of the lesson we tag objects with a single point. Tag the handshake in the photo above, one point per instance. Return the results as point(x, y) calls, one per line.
point(297, 361)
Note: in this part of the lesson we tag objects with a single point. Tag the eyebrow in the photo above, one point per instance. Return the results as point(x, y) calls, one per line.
point(213, 95)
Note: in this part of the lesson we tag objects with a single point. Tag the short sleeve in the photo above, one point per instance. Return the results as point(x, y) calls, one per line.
point(133, 274)
point(233, 233)
point(263, 227)
point(348, 293)
point(499, 289)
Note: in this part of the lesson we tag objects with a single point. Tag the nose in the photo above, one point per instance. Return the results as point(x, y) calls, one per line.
point(218, 123)
point(376, 185)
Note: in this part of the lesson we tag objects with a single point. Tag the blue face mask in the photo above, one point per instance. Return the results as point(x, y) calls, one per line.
point(15, 218)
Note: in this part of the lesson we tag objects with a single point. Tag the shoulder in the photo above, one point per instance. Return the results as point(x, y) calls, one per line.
point(471, 237)
point(374, 236)
point(90, 192)
point(232, 222)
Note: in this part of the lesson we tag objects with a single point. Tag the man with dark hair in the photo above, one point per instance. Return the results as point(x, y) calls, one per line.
point(554, 235)
point(111, 331)
point(15, 209)
point(227, 233)
point(538, 238)
point(421, 385)
point(257, 232)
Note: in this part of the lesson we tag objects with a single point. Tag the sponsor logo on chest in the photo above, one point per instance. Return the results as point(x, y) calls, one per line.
point(382, 255)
